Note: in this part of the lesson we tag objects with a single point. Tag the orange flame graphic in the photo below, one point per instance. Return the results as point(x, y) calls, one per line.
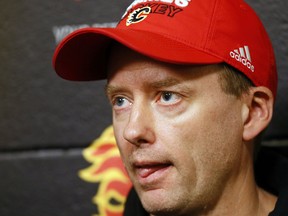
point(107, 169)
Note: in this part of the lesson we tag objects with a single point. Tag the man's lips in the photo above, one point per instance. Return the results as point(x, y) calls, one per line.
point(146, 170)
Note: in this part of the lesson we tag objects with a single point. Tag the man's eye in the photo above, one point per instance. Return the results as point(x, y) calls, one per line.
point(168, 98)
point(120, 102)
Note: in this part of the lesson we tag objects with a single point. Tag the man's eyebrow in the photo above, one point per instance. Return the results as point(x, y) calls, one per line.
point(110, 89)
point(163, 83)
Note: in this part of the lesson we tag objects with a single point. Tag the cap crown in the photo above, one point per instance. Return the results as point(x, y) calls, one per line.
point(176, 31)
point(227, 29)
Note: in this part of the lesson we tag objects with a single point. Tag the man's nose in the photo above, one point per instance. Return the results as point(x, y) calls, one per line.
point(139, 128)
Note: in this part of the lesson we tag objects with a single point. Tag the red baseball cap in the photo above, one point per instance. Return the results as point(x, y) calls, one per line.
point(176, 31)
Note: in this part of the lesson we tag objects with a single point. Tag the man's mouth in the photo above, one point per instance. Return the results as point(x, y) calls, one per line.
point(151, 171)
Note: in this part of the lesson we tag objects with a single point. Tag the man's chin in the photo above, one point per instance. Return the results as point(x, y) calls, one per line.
point(159, 211)
point(157, 203)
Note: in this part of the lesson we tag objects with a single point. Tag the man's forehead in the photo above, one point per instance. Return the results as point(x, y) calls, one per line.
point(151, 83)
point(162, 80)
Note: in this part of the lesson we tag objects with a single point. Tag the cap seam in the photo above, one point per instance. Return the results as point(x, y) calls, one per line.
point(211, 25)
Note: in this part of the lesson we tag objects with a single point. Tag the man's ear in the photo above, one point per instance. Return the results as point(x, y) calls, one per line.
point(257, 111)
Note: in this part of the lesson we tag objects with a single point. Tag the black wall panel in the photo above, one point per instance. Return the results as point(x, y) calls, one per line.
point(37, 108)
point(44, 183)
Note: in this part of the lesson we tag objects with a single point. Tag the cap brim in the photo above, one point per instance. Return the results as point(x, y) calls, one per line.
point(83, 54)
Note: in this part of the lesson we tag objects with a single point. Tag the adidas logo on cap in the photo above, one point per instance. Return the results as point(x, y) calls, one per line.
point(243, 55)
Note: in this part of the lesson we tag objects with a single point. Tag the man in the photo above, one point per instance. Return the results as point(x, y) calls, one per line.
point(192, 85)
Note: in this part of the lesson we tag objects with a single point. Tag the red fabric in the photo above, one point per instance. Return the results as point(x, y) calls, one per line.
point(183, 32)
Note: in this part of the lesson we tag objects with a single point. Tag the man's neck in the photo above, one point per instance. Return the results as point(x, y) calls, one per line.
point(242, 196)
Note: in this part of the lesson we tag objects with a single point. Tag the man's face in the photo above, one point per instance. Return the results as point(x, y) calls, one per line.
point(179, 134)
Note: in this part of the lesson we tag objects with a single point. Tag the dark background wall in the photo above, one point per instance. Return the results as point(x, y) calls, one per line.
point(45, 122)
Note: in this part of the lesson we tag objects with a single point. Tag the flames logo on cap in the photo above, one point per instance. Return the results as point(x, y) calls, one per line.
point(138, 15)
point(108, 171)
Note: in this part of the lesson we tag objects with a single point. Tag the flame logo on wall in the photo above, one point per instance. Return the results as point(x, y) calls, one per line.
point(108, 171)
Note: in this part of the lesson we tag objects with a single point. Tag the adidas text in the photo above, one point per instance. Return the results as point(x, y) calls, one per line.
point(243, 55)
